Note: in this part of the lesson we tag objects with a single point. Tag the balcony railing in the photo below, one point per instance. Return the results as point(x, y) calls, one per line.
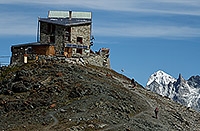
point(73, 45)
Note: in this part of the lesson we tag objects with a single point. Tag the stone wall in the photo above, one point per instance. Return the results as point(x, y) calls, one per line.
point(83, 31)
point(44, 36)
point(93, 59)
point(17, 56)
point(59, 36)
point(98, 60)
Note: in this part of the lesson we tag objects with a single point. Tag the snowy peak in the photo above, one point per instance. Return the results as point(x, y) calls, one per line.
point(161, 78)
point(186, 92)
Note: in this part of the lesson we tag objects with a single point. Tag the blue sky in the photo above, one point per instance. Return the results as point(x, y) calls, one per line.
point(144, 36)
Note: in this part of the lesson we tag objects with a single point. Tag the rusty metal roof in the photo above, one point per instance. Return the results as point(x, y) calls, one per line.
point(105, 49)
point(66, 21)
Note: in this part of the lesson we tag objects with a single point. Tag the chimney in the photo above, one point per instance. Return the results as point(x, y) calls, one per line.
point(70, 15)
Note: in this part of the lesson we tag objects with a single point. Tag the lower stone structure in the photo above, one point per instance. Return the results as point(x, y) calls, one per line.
point(21, 52)
point(98, 60)
point(93, 59)
point(25, 53)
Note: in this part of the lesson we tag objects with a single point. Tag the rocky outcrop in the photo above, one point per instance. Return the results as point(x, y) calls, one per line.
point(98, 60)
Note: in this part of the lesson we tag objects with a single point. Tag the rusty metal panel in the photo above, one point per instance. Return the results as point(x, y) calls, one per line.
point(58, 14)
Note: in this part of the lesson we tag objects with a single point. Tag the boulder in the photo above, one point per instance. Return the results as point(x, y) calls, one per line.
point(19, 87)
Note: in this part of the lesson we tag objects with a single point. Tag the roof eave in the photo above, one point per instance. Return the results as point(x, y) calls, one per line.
point(81, 23)
point(30, 44)
point(78, 24)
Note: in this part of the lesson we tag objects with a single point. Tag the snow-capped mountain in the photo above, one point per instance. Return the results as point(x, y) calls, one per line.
point(161, 77)
point(186, 92)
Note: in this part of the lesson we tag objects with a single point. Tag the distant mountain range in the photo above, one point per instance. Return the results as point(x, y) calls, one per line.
point(186, 92)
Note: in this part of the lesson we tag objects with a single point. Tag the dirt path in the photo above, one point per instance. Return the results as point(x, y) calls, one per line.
point(139, 114)
point(127, 85)
point(51, 114)
point(124, 123)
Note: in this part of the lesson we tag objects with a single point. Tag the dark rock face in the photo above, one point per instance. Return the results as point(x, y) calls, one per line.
point(194, 81)
point(71, 97)
point(20, 75)
point(154, 86)
point(180, 80)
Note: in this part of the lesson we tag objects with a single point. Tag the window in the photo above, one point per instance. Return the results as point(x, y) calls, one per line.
point(29, 50)
point(67, 39)
point(68, 31)
point(52, 39)
point(51, 28)
point(79, 40)
point(67, 34)
point(79, 51)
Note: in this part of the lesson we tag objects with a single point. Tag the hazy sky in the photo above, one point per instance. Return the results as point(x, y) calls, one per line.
point(144, 36)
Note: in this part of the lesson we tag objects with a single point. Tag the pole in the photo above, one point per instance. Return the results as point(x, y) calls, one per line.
point(38, 29)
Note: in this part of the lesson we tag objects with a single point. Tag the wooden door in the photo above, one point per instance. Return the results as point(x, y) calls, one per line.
point(68, 52)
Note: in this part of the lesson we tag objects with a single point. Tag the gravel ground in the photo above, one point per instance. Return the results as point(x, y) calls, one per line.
point(59, 96)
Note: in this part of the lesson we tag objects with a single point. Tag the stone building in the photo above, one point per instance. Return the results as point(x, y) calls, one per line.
point(63, 33)
point(69, 31)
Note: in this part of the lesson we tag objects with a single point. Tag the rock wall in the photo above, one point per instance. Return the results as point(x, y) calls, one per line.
point(44, 36)
point(17, 55)
point(94, 59)
point(83, 31)
point(59, 36)
point(98, 60)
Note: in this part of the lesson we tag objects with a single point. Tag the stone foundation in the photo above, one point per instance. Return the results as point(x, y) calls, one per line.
point(93, 59)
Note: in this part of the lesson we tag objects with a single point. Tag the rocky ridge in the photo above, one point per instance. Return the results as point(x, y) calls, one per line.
point(67, 96)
